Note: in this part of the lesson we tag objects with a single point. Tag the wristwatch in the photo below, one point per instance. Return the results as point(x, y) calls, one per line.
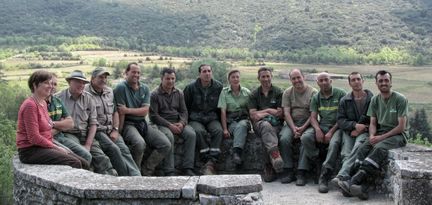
point(115, 128)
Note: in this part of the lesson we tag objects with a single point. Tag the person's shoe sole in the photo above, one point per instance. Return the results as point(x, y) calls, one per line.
point(345, 187)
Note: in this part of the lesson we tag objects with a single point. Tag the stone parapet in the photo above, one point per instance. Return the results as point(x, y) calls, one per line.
point(54, 184)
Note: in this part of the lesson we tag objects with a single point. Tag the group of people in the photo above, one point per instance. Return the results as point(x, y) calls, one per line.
point(91, 126)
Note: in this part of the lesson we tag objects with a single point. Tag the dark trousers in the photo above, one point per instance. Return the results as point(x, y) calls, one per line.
point(43, 155)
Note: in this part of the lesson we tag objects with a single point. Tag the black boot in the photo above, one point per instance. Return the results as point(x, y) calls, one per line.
point(287, 176)
point(323, 180)
point(237, 156)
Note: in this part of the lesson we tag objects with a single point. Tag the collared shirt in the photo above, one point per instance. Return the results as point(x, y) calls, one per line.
point(259, 101)
point(105, 108)
point(327, 108)
point(56, 109)
point(387, 112)
point(235, 106)
point(299, 103)
point(167, 108)
point(82, 110)
point(125, 95)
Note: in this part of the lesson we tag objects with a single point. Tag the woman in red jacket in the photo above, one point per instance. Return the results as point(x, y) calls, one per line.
point(33, 137)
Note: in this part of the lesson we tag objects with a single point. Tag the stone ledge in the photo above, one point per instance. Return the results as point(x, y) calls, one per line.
point(55, 184)
point(229, 184)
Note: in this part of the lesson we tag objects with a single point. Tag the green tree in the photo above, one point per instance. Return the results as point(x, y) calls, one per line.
point(219, 69)
point(419, 125)
point(7, 150)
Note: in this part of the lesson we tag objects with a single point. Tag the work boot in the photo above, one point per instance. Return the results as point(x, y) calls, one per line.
point(359, 177)
point(359, 191)
point(323, 180)
point(301, 180)
point(287, 176)
point(152, 161)
point(337, 181)
point(276, 160)
point(237, 152)
point(209, 168)
point(269, 174)
point(188, 172)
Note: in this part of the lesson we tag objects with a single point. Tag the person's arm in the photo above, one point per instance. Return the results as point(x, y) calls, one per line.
point(92, 121)
point(64, 124)
point(288, 118)
point(114, 134)
point(319, 135)
point(342, 118)
point(224, 123)
point(90, 136)
point(142, 111)
point(154, 112)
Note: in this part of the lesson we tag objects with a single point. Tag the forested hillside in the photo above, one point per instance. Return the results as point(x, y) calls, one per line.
point(268, 25)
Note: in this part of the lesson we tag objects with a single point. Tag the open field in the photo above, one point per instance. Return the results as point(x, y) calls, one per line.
point(413, 82)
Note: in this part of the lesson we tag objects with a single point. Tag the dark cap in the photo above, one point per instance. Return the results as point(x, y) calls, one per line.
point(77, 74)
point(99, 71)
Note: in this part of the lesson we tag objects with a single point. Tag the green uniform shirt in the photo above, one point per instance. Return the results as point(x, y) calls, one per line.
point(56, 109)
point(105, 108)
point(232, 103)
point(125, 95)
point(388, 111)
point(259, 101)
point(299, 103)
point(327, 108)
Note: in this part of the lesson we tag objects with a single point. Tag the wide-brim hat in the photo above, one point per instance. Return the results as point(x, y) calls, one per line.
point(77, 74)
point(99, 71)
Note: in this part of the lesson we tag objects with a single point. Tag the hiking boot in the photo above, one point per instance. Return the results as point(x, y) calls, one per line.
point(359, 177)
point(323, 180)
point(237, 159)
point(188, 172)
point(287, 176)
point(209, 168)
point(337, 181)
point(301, 180)
point(276, 160)
point(359, 191)
point(269, 174)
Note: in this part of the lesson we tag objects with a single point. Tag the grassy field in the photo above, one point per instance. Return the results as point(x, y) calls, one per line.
point(413, 82)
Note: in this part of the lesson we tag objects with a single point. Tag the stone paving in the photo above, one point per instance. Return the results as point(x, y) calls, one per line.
point(284, 194)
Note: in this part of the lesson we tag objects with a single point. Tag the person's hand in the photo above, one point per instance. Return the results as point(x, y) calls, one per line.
point(327, 137)
point(174, 129)
point(226, 134)
point(61, 149)
point(375, 139)
point(354, 133)
point(114, 135)
point(87, 147)
point(122, 109)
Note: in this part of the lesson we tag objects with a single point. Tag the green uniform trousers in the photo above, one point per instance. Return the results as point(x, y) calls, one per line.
point(209, 149)
point(119, 154)
point(189, 138)
point(354, 143)
point(239, 131)
point(286, 138)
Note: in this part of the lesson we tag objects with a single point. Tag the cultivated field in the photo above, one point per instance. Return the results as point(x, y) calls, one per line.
point(413, 82)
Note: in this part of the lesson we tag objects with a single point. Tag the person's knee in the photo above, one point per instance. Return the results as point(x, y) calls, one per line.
point(285, 139)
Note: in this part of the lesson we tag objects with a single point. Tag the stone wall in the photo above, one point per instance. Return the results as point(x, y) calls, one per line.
point(53, 184)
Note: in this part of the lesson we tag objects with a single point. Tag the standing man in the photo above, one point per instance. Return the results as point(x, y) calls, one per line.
point(80, 105)
point(295, 102)
point(201, 97)
point(168, 111)
point(325, 105)
point(133, 102)
point(388, 129)
point(107, 131)
point(266, 114)
point(353, 121)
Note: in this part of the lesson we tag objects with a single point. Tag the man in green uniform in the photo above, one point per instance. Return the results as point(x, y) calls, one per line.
point(388, 129)
point(107, 131)
point(266, 113)
point(295, 102)
point(325, 105)
point(201, 97)
point(80, 105)
point(133, 103)
point(168, 111)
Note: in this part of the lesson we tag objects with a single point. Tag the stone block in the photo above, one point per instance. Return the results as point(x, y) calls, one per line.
point(189, 189)
point(229, 184)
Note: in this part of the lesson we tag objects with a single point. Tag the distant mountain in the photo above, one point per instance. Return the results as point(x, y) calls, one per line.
point(365, 25)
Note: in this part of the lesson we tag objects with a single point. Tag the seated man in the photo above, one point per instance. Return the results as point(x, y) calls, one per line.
point(266, 114)
point(325, 105)
point(133, 102)
point(168, 111)
point(107, 132)
point(201, 97)
point(388, 129)
point(353, 121)
point(296, 102)
point(80, 105)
